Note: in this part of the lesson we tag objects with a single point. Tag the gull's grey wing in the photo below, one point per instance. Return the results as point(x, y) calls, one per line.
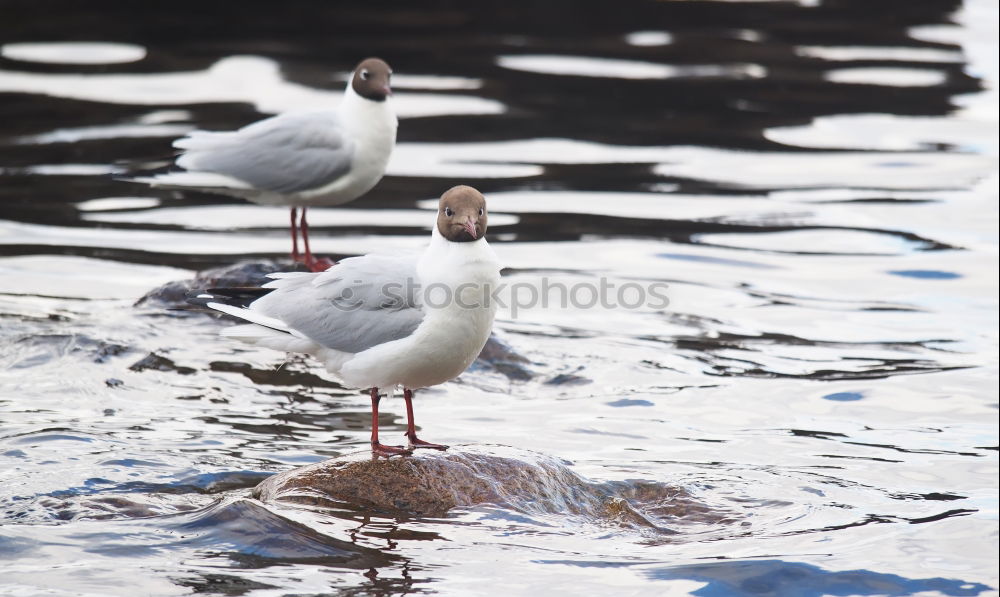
point(357, 304)
point(287, 153)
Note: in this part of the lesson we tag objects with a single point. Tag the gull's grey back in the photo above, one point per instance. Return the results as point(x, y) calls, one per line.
point(289, 153)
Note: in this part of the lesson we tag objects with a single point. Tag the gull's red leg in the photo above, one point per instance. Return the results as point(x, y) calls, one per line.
point(295, 237)
point(411, 430)
point(378, 449)
point(316, 265)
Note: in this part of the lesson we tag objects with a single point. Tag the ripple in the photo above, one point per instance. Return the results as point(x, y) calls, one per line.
point(886, 132)
point(817, 242)
point(785, 170)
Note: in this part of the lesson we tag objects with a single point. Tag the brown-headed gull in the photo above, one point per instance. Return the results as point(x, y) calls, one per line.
point(298, 159)
point(382, 321)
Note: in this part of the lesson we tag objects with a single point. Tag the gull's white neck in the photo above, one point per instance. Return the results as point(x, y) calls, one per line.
point(444, 261)
point(366, 113)
point(468, 269)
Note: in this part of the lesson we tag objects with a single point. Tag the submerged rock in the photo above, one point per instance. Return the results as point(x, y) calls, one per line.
point(173, 295)
point(432, 483)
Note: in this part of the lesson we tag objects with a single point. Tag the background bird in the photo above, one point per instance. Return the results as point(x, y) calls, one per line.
point(298, 159)
point(380, 321)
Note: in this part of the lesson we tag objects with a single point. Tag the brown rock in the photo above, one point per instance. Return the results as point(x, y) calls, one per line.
point(431, 483)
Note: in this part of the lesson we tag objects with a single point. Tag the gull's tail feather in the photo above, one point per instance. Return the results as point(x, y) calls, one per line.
point(236, 303)
point(258, 329)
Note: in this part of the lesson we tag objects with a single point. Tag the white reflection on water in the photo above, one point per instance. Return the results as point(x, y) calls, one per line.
point(250, 79)
point(849, 53)
point(113, 131)
point(73, 52)
point(435, 82)
point(114, 203)
point(583, 66)
point(893, 77)
point(649, 38)
point(66, 169)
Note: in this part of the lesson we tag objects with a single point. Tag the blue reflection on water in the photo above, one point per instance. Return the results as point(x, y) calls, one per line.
point(777, 577)
point(717, 260)
point(630, 402)
point(925, 274)
point(844, 396)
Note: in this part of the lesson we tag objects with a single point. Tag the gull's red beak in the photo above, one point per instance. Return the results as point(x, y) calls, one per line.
point(470, 227)
point(387, 90)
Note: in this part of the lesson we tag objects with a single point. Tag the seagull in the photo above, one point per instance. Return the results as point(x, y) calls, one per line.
point(298, 159)
point(382, 321)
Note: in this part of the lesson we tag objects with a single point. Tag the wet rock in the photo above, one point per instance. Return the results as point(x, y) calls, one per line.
point(500, 357)
point(173, 295)
point(158, 363)
point(567, 379)
point(432, 483)
point(107, 350)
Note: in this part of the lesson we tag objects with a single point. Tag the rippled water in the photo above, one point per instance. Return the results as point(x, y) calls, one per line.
point(815, 183)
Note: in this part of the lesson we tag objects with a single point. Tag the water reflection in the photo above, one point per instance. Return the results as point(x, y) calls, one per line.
point(73, 52)
point(252, 79)
point(777, 577)
point(580, 66)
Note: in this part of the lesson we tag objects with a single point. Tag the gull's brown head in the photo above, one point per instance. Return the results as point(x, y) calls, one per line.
point(462, 214)
point(371, 79)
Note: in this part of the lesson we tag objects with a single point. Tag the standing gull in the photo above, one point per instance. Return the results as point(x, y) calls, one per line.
point(381, 321)
point(298, 159)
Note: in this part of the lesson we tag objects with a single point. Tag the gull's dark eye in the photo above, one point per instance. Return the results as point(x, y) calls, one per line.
point(448, 212)
point(481, 211)
point(365, 74)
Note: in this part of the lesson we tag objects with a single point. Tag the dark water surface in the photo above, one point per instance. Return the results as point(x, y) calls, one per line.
point(814, 182)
